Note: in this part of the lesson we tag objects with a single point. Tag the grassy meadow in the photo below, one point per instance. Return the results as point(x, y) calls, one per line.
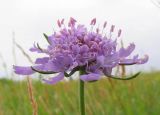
point(140, 96)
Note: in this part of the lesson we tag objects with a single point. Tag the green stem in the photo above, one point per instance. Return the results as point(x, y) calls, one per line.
point(81, 93)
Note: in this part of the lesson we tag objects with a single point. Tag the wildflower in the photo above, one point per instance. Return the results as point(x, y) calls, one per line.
point(74, 48)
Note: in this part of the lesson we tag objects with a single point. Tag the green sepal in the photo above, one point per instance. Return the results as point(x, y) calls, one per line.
point(38, 46)
point(72, 72)
point(124, 64)
point(66, 74)
point(43, 72)
point(125, 78)
point(45, 35)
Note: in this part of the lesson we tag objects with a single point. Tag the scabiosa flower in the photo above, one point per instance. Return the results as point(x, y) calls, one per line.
point(75, 48)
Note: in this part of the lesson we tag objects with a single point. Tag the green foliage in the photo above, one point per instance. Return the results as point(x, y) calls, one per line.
point(139, 96)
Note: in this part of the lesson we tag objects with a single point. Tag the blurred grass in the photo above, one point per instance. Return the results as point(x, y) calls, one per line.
point(139, 96)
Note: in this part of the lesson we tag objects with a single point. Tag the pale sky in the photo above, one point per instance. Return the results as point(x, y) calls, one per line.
point(29, 19)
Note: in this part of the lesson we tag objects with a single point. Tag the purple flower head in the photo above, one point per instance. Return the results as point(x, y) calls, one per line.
point(76, 48)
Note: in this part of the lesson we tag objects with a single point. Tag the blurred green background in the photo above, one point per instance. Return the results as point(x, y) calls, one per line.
point(139, 96)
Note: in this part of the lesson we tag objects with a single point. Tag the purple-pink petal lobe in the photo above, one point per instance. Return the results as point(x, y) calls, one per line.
point(90, 77)
point(23, 70)
point(143, 60)
point(134, 60)
point(35, 49)
point(55, 79)
point(42, 60)
point(125, 52)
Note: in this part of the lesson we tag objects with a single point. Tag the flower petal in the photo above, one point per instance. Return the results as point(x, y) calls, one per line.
point(84, 49)
point(51, 39)
point(90, 77)
point(51, 66)
point(55, 79)
point(135, 60)
point(143, 60)
point(108, 61)
point(42, 60)
point(75, 49)
point(111, 60)
point(23, 70)
point(100, 60)
point(59, 64)
point(125, 52)
point(35, 49)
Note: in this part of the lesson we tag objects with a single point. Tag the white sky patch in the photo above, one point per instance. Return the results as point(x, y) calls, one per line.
point(30, 5)
point(138, 19)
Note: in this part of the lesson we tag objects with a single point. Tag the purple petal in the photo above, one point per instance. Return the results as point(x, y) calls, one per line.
point(108, 61)
point(42, 60)
point(129, 61)
point(75, 49)
point(51, 66)
point(55, 79)
point(100, 60)
point(51, 39)
point(35, 49)
point(125, 52)
point(63, 62)
point(90, 77)
point(84, 49)
point(27, 70)
point(143, 60)
point(59, 63)
point(92, 68)
point(135, 60)
point(23, 70)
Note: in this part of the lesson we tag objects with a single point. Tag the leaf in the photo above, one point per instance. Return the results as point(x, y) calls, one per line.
point(43, 72)
point(125, 78)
